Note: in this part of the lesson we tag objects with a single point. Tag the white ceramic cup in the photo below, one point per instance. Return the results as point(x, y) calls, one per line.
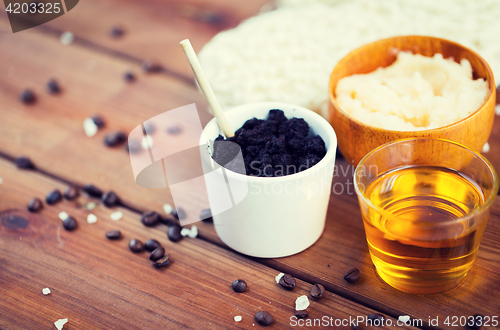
point(278, 216)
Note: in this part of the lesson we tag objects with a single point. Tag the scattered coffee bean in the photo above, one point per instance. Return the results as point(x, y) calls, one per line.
point(210, 17)
point(129, 76)
point(151, 66)
point(24, 163)
point(27, 96)
point(136, 246)
point(162, 262)
point(69, 223)
point(355, 327)
point(264, 318)
point(115, 138)
point(35, 205)
point(53, 87)
point(174, 233)
point(352, 275)
point(317, 291)
point(476, 322)
point(239, 286)
point(287, 281)
point(98, 121)
point(53, 197)
point(151, 245)
point(377, 319)
point(302, 314)
point(93, 190)
point(109, 199)
point(174, 129)
point(113, 234)
point(150, 218)
point(206, 215)
point(71, 193)
point(133, 146)
point(157, 254)
point(179, 213)
point(117, 31)
point(149, 128)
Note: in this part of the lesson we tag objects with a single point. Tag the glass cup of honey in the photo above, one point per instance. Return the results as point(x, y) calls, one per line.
point(425, 204)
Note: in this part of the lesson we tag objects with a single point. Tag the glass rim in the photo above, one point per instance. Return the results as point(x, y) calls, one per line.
point(389, 215)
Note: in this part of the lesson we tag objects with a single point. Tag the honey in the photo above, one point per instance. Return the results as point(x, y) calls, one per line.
point(426, 238)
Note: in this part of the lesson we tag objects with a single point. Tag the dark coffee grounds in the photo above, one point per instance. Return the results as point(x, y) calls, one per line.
point(273, 147)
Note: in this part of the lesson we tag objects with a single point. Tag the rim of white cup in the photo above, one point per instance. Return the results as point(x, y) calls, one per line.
point(330, 153)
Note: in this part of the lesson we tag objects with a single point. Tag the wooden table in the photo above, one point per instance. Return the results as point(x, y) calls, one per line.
point(100, 284)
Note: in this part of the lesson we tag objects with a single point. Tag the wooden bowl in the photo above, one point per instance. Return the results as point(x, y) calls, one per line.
point(356, 139)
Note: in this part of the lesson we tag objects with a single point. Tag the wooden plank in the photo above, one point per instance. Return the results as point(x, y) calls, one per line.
point(97, 283)
point(153, 28)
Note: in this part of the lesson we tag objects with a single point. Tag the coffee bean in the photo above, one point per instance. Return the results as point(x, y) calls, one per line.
point(162, 262)
point(476, 321)
point(239, 286)
point(210, 17)
point(129, 76)
point(98, 121)
point(302, 314)
point(151, 66)
point(117, 31)
point(27, 96)
point(115, 138)
point(71, 193)
point(317, 291)
point(93, 190)
point(157, 254)
point(150, 218)
point(149, 128)
point(174, 129)
point(53, 87)
point(377, 319)
point(151, 245)
point(136, 246)
point(264, 318)
point(352, 275)
point(179, 213)
point(206, 215)
point(69, 223)
point(35, 205)
point(133, 146)
point(53, 197)
point(113, 234)
point(24, 163)
point(174, 233)
point(355, 327)
point(287, 281)
point(109, 199)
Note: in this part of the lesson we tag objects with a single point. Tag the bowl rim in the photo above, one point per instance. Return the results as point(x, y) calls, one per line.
point(491, 86)
point(487, 202)
point(247, 108)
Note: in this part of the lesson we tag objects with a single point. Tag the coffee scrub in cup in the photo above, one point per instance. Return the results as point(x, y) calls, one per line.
point(279, 171)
